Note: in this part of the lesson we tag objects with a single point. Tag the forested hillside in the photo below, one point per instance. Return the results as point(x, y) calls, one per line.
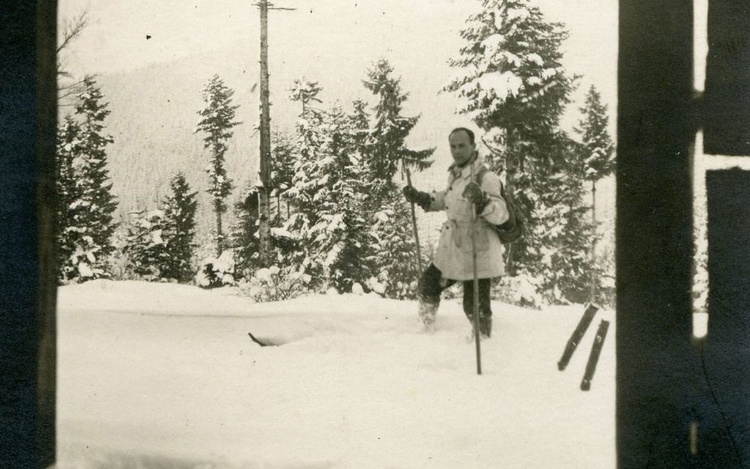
point(154, 115)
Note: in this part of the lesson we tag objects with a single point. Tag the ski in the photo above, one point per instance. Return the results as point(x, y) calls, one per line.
point(596, 350)
point(578, 333)
point(258, 341)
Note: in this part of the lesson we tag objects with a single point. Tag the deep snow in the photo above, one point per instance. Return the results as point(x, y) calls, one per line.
point(163, 375)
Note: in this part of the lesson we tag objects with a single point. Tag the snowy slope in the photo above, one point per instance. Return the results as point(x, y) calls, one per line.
point(160, 375)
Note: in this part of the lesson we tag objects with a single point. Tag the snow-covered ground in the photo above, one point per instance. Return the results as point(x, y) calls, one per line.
point(165, 376)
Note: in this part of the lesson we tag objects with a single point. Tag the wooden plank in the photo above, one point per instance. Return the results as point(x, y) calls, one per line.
point(726, 118)
point(654, 233)
point(27, 259)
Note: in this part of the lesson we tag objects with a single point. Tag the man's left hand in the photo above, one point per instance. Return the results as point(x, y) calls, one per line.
point(474, 194)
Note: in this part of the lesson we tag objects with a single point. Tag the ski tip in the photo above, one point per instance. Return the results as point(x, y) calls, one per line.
point(258, 341)
point(585, 385)
point(560, 366)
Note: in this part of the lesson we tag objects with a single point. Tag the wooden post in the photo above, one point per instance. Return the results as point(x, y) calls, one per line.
point(655, 363)
point(264, 230)
point(726, 119)
point(723, 415)
point(27, 235)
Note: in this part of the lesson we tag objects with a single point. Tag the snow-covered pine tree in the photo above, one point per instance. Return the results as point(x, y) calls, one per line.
point(305, 91)
point(179, 213)
point(384, 153)
point(282, 166)
point(559, 257)
point(386, 149)
point(514, 87)
point(146, 244)
point(360, 119)
point(245, 243)
point(217, 121)
point(87, 204)
point(395, 270)
point(327, 194)
point(244, 232)
point(68, 146)
point(599, 157)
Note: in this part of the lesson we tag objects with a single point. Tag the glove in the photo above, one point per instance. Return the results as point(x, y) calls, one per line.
point(474, 194)
point(414, 196)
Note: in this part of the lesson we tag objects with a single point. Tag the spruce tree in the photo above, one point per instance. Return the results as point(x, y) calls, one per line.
point(327, 195)
point(146, 244)
point(245, 242)
point(87, 204)
point(282, 166)
point(387, 149)
point(598, 152)
point(384, 153)
point(179, 214)
point(559, 257)
point(305, 91)
point(218, 119)
point(68, 146)
point(513, 86)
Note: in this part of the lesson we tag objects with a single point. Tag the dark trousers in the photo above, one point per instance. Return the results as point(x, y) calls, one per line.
point(431, 285)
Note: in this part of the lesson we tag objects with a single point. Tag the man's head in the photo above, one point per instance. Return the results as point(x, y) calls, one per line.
point(462, 145)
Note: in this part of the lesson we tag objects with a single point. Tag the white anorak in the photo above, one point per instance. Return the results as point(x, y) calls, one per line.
point(454, 252)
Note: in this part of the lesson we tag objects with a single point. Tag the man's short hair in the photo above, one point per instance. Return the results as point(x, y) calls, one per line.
point(463, 129)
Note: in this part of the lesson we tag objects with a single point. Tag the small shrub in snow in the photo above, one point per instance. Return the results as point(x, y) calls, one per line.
point(146, 247)
point(376, 286)
point(521, 290)
point(276, 284)
point(215, 273)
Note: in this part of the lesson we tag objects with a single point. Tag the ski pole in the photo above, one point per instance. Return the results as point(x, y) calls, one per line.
point(413, 220)
point(476, 279)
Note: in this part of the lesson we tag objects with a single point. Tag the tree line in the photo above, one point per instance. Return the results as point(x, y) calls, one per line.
point(339, 219)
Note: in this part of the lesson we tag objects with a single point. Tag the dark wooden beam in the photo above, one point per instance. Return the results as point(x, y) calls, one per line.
point(724, 429)
point(27, 256)
point(726, 118)
point(655, 133)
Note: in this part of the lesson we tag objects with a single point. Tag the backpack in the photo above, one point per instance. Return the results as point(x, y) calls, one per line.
point(512, 229)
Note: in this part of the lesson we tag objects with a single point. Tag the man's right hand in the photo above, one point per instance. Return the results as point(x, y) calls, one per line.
point(411, 194)
point(414, 196)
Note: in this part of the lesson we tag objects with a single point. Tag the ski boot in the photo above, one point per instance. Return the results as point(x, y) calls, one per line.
point(485, 327)
point(427, 314)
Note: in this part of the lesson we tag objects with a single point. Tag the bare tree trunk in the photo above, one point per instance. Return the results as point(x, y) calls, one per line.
point(593, 243)
point(264, 230)
point(219, 234)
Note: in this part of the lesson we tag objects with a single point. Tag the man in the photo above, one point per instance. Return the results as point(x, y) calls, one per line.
point(453, 260)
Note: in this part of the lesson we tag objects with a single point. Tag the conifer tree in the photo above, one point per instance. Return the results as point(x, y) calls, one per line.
point(87, 204)
point(146, 245)
point(179, 213)
point(599, 161)
point(305, 91)
point(244, 233)
point(68, 146)
point(327, 194)
point(387, 149)
point(559, 257)
point(514, 87)
point(282, 166)
point(218, 119)
point(384, 153)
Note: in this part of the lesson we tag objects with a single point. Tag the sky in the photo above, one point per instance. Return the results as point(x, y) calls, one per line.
point(127, 34)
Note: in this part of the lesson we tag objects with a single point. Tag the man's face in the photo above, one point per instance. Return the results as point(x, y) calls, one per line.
point(461, 147)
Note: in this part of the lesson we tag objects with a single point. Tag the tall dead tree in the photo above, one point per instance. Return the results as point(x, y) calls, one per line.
point(264, 230)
